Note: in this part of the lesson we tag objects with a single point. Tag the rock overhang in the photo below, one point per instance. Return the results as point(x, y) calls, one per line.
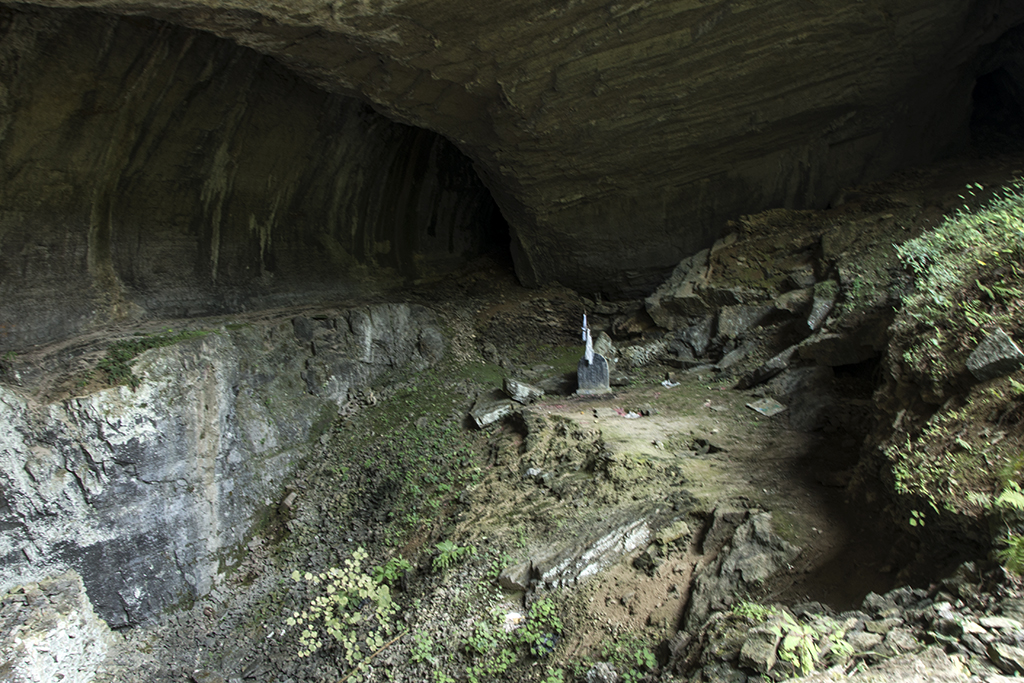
point(618, 139)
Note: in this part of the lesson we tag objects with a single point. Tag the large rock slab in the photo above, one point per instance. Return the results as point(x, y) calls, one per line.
point(753, 555)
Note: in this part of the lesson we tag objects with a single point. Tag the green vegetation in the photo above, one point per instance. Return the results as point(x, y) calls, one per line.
point(493, 648)
point(631, 655)
point(413, 462)
point(351, 607)
point(969, 278)
point(806, 646)
point(448, 554)
point(1011, 506)
point(117, 363)
point(392, 570)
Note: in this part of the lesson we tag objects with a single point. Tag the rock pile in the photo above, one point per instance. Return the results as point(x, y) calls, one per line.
point(969, 625)
point(49, 632)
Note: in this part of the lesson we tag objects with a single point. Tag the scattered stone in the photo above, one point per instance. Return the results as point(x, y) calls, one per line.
point(862, 641)
point(1008, 658)
point(49, 632)
point(602, 672)
point(759, 649)
point(901, 641)
point(995, 356)
point(289, 501)
point(490, 408)
point(772, 367)
point(796, 301)
point(733, 321)
point(883, 626)
point(521, 392)
point(1001, 623)
point(639, 355)
point(516, 577)
point(767, 406)
point(673, 533)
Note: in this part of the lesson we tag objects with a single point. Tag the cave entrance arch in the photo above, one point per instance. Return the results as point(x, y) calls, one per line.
point(153, 170)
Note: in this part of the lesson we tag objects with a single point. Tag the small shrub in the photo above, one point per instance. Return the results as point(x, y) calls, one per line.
point(392, 570)
point(448, 554)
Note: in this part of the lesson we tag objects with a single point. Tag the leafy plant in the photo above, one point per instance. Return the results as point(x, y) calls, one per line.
point(392, 570)
point(631, 655)
point(554, 676)
point(422, 649)
point(448, 554)
point(753, 611)
point(351, 607)
point(1011, 502)
point(797, 645)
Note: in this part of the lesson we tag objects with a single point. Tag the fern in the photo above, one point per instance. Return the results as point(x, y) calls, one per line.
point(1012, 556)
point(1011, 497)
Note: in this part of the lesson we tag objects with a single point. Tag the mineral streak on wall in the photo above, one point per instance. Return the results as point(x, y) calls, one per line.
point(617, 138)
point(150, 169)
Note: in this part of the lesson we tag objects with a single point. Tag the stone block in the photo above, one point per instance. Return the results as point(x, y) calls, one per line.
point(735, 320)
point(489, 409)
point(997, 355)
point(521, 392)
point(592, 377)
point(1008, 658)
point(517, 577)
point(759, 649)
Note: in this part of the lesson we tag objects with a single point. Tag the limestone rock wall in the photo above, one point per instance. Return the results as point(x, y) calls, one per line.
point(619, 137)
point(147, 493)
point(149, 169)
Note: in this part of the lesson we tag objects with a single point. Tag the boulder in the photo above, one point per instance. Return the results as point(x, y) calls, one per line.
point(753, 555)
point(759, 649)
point(489, 408)
point(997, 355)
point(733, 321)
point(1008, 658)
point(516, 577)
point(521, 392)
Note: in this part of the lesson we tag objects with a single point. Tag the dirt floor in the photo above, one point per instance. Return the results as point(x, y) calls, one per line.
point(671, 451)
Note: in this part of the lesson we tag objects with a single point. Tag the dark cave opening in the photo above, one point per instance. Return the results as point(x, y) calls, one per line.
point(997, 116)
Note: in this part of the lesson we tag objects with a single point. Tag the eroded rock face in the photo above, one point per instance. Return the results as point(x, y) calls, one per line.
point(617, 138)
point(153, 170)
point(147, 493)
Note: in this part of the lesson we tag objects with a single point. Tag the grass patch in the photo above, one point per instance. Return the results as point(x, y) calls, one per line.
point(969, 280)
point(117, 363)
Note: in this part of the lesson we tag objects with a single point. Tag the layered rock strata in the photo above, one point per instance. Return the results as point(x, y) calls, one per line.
point(152, 170)
point(618, 138)
point(147, 493)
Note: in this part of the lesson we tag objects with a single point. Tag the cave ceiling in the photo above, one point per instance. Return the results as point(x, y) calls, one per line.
point(616, 138)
